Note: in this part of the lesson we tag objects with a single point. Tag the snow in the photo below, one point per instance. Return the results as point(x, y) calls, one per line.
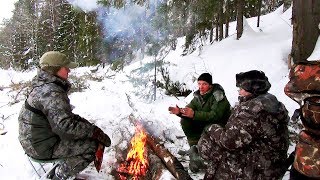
point(315, 55)
point(128, 93)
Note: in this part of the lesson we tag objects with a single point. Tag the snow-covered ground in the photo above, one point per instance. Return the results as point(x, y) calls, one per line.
point(110, 102)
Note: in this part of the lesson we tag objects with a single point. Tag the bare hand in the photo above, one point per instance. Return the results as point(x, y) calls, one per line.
point(174, 110)
point(187, 112)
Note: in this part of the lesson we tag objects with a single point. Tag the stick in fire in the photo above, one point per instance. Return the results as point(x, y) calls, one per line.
point(137, 164)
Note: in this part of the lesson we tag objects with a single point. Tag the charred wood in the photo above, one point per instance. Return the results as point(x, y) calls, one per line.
point(170, 161)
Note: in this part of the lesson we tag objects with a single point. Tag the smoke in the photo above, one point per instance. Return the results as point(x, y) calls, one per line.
point(125, 29)
point(86, 5)
point(127, 20)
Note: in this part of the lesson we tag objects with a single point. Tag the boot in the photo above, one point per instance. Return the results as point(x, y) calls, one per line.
point(183, 152)
point(196, 162)
point(58, 175)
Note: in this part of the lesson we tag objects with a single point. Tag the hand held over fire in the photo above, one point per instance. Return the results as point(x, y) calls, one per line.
point(187, 112)
point(174, 110)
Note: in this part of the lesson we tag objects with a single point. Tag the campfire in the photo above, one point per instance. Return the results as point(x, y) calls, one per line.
point(136, 163)
point(148, 159)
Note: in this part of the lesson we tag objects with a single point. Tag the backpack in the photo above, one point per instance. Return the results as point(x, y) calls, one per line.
point(304, 88)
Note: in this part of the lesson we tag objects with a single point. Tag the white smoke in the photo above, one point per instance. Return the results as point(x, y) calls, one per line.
point(86, 5)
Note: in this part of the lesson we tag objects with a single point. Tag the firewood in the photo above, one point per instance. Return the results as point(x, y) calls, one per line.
point(156, 169)
point(170, 161)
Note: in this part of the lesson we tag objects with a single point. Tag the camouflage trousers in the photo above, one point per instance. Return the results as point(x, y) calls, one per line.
point(212, 153)
point(76, 155)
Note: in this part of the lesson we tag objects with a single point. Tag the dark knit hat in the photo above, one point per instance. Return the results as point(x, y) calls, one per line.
point(205, 77)
point(255, 82)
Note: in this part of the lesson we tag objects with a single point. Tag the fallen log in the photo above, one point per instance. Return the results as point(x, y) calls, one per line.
point(170, 161)
point(157, 170)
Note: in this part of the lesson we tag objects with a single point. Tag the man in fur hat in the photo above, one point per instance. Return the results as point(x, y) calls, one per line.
point(209, 105)
point(48, 129)
point(254, 142)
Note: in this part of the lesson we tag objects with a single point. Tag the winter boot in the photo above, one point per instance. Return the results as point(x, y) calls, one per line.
point(58, 175)
point(183, 152)
point(196, 162)
point(51, 172)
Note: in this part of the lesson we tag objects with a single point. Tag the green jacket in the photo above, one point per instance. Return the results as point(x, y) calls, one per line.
point(211, 108)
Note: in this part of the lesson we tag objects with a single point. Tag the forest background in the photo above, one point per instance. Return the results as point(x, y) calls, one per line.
point(114, 33)
point(117, 31)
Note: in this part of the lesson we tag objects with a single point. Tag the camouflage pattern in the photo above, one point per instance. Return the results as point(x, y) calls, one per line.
point(58, 133)
point(304, 81)
point(303, 88)
point(77, 155)
point(254, 81)
point(252, 145)
point(213, 107)
point(307, 159)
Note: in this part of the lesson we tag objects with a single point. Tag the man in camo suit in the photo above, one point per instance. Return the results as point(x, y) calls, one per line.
point(47, 127)
point(255, 140)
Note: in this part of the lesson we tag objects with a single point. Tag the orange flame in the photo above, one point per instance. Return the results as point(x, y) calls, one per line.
point(136, 163)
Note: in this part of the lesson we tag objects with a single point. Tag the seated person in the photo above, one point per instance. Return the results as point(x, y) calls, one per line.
point(254, 142)
point(209, 106)
point(47, 127)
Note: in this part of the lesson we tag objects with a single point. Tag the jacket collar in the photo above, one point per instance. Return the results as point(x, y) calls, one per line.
point(44, 77)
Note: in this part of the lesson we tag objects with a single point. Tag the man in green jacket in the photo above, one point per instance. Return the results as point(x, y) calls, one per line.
point(209, 106)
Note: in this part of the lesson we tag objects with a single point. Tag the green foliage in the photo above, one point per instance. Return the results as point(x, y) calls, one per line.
point(172, 88)
point(117, 65)
point(80, 83)
point(38, 26)
point(120, 3)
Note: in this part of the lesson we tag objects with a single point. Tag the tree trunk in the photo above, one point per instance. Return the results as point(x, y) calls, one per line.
point(259, 12)
point(305, 20)
point(221, 20)
point(170, 161)
point(227, 17)
point(211, 34)
point(217, 28)
point(213, 25)
point(240, 9)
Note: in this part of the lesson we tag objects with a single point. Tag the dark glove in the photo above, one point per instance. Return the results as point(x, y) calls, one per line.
point(100, 136)
point(79, 118)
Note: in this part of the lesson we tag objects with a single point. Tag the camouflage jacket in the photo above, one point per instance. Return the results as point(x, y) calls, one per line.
point(40, 131)
point(252, 145)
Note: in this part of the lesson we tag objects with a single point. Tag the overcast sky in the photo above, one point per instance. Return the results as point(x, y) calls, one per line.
point(6, 8)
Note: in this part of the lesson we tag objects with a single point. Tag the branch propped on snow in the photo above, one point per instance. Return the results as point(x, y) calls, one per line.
point(170, 161)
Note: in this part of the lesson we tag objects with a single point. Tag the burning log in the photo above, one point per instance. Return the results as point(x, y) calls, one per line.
point(157, 169)
point(136, 163)
point(170, 161)
point(142, 163)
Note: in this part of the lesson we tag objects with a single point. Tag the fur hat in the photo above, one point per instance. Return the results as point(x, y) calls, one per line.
point(56, 59)
point(253, 81)
point(205, 77)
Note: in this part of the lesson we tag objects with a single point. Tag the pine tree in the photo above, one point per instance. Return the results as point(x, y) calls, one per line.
point(305, 20)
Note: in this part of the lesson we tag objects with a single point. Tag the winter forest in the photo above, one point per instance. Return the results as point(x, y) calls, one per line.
point(118, 31)
point(138, 57)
